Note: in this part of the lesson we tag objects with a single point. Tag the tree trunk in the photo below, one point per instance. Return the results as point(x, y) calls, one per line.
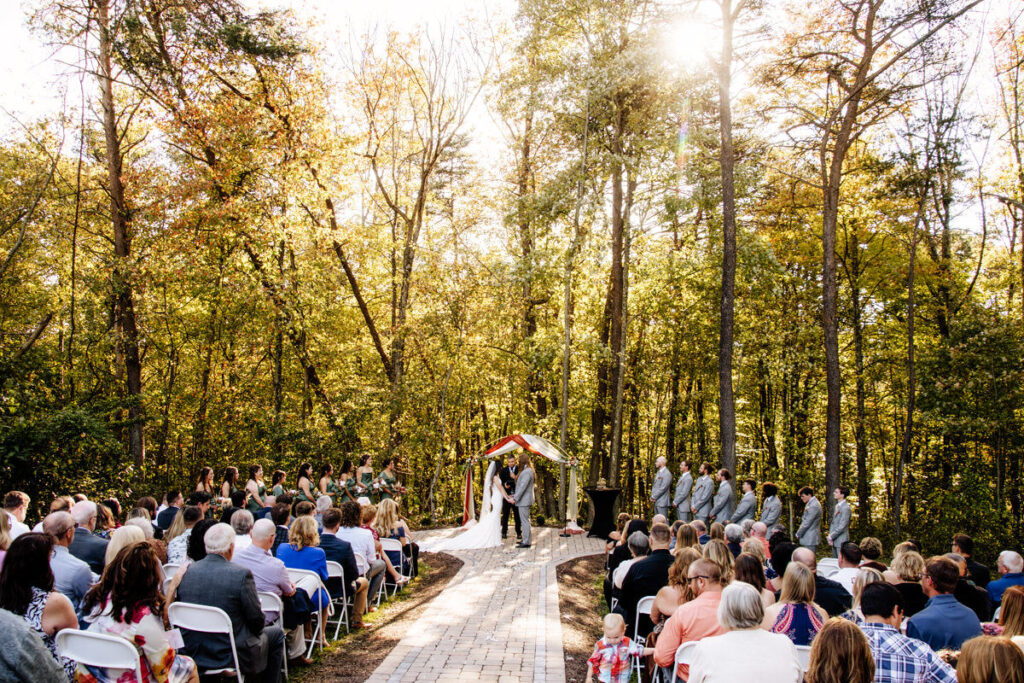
point(860, 439)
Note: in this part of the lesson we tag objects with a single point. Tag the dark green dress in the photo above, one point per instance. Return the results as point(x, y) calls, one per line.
point(277, 491)
point(350, 486)
point(302, 496)
point(366, 480)
point(390, 481)
point(252, 506)
point(332, 489)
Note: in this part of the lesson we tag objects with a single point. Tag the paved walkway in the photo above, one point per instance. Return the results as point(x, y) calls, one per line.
point(496, 621)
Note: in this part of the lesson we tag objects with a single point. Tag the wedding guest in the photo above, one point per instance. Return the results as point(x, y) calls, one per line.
point(781, 556)
point(362, 544)
point(640, 546)
point(71, 576)
point(15, 509)
point(175, 501)
point(748, 569)
point(908, 567)
point(832, 597)
point(759, 531)
point(686, 537)
point(695, 619)
point(5, 537)
point(201, 500)
point(196, 549)
point(734, 537)
point(964, 545)
point(148, 503)
point(621, 552)
point(865, 577)
point(849, 565)
point(967, 593)
point(870, 551)
point(676, 592)
point(177, 547)
point(990, 660)
point(238, 498)
point(717, 531)
point(26, 589)
point(24, 657)
point(795, 614)
point(87, 547)
point(389, 524)
point(105, 521)
point(752, 546)
point(718, 552)
point(280, 515)
point(177, 527)
point(745, 652)
point(840, 654)
point(1011, 566)
point(128, 603)
point(340, 551)
point(944, 622)
point(702, 531)
point(1011, 614)
point(612, 655)
point(647, 576)
point(302, 551)
point(127, 535)
point(242, 522)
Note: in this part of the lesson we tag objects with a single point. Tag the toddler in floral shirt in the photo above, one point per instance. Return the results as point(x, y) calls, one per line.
point(610, 661)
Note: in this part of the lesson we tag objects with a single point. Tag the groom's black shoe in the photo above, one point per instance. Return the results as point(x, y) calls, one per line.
point(521, 545)
point(505, 535)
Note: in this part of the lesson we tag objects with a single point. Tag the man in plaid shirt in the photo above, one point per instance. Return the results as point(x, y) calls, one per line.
point(898, 659)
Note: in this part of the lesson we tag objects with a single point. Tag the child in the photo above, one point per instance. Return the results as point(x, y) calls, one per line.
point(610, 660)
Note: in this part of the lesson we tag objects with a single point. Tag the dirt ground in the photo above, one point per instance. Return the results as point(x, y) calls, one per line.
point(352, 659)
point(581, 604)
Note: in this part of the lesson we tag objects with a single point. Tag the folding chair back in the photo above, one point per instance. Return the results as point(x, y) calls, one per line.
point(99, 650)
point(684, 654)
point(205, 619)
point(803, 653)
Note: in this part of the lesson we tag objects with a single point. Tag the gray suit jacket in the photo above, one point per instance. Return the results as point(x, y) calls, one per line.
point(524, 488)
point(746, 508)
point(662, 485)
point(725, 501)
point(683, 488)
point(808, 533)
point(771, 511)
point(702, 491)
point(839, 530)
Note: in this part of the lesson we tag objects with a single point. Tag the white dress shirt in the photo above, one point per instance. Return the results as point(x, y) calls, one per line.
point(362, 544)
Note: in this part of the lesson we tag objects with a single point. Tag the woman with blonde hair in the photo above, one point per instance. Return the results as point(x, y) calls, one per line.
point(5, 537)
point(753, 546)
point(795, 614)
point(389, 524)
point(718, 552)
point(686, 537)
point(865, 577)
point(677, 591)
point(988, 659)
point(840, 654)
point(177, 527)
point(127, 535)
point(302, 551)
point(717, 531)
point(1011, 615)
point(908, 568)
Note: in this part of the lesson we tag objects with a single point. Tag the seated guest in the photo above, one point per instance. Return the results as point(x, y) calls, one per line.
point(196, 549)
point(389, 524)
point(908, 569)
point(865, 577)
point(734, 538)
point(1011, 566)
point(870, 551)
point(747, 526)
point(340, 551)
point(717, 531)
point(127, 535)
point(621, 552)
point(1011, 614)
point(898, 659)
point(363, 546)
point(302, 551)
point(752, 546)
point(23, 656)
point(71, 576)
point(944, 622)
point(178, 544)
point(849, 565)
point(646, 577)
point(748, 569)
point(87, 547)
point(128, 603)
point(702, 531)
point(269, 575)
point(367, 516)
point(238, 498)
point(640, 546)
point(148, 503)
point(693, 620)
point(114, 505)
point(660, 519)
point(323, 503)
point(26, 589)
point(963, 545)
point(676, 592)
point(58, 504)
point(990, 660)
point(686, 537)
point(831, 596)
point(745, 652)
point(174, 503)
point(15, 509)
point(201, 500)
point(841, 652)
point(280, 515)
point(795, 614)
point(216, 582)
point(242, 524)
point(5, 536)
point(105, 522)
point(759, 531)
point(781, 556)
point(967, 593)
point(718, 552)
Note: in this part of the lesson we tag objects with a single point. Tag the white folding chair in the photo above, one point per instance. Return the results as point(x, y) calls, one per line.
point(99, 650)
point(395, 546)
point(297, 575)
point(204, 619)
point(803, 653)
point(270, 603)
point(334, 571)
point(170, 570)
point(684, 655)
point(828, 566)
point(167, 584)
point(643, 606)
point(361, 560)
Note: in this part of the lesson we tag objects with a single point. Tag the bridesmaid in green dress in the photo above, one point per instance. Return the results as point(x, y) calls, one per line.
point(257, 490)
point(277, 483)
point(388, 481)
point(365, 474)
point(347, 481)
point(230, 484)
point(305, 482)
point(327, 484)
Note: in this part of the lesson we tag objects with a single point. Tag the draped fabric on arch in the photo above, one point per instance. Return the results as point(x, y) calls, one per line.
point(545, 449)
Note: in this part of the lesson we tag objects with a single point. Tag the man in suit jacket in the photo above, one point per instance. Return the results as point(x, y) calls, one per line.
point(279, 515)
point(215, 581)
point(807, 534)
point(839, 529)
point(660, 491)
point(747, 507)
point(702, 492)
point(646, 577)
point(681, 500)
point(87, 546)
point(340, 551)
point(828, 594)
point(963, 545)
point(725, 499)
point(165, 517)
point(508, 475)
point(771, 506)
point(524, 497)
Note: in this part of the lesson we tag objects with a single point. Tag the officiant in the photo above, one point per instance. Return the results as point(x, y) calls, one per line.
point(508, 476)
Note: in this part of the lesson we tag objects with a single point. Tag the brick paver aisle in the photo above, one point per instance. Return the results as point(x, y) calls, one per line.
point(496, 621)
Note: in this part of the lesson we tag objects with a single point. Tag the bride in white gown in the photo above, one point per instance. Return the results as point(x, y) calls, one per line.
point(487, 532)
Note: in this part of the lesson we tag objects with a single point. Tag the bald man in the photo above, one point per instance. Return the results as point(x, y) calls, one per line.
point(71, 576)
point(829, 595)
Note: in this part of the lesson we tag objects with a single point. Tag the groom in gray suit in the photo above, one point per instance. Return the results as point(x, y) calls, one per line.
point(524, 497)
point(839, 530)
point(807, 534)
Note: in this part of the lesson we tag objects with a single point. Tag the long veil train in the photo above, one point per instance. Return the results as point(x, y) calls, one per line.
point(487, 532)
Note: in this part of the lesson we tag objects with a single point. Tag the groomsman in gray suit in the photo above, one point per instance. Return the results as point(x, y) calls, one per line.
point(725, 499)
point(747, 507)
point(702, 492)
point(771, 506)
point(662, 486)
point(808, 533)
point(681, 501)
point(524, 497)
point(839, 530)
